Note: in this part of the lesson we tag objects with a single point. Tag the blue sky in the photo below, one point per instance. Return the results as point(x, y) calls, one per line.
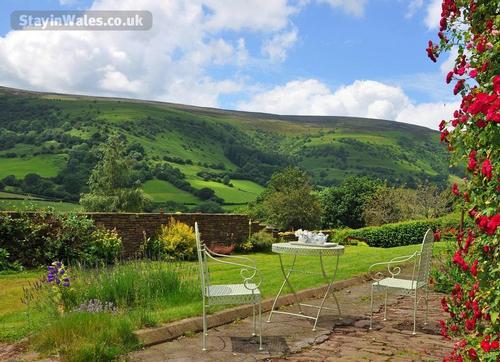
point(325, 57)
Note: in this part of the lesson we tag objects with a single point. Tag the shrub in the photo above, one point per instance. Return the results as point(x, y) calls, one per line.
point(178, 240)
point(261, 241)
point(106, 245)
point(223, 249)
point(5, 264)
point(36, 239)
point(390, 235)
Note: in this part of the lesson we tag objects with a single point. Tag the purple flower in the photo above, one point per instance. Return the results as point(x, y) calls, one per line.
point(58, 281)
point(58, 264)
point(61, 271)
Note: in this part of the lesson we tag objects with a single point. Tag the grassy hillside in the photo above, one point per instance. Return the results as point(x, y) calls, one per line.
point(179, 149)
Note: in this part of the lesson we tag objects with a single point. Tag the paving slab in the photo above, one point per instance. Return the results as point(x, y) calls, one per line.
point(337, 338)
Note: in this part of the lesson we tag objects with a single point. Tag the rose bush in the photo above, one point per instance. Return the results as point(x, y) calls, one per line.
point(471, 27)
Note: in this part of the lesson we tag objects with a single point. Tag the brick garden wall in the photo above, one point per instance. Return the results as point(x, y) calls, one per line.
point(214, 228)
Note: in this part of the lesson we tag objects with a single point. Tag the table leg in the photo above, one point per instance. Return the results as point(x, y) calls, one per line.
point(286, 281)
point(328, 290)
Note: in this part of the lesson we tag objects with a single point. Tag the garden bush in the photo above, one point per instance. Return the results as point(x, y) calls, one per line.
point(178, 240)
point(391, 235)
point(261, 241)
point(36, 239)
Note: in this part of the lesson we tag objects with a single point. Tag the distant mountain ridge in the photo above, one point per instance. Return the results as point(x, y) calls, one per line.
point(179, 149)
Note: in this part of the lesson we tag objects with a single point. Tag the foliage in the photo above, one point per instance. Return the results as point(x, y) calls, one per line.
point(343, 205)
point(6, 264)
point(394, 204)
point(261, 241)
point(289, 201)
point(110, 303)
point(106, 245)
point(35, 239)
point(112, 187)
point(391, 235)
point(178, 240)
point(473, 135)
point(208, 207)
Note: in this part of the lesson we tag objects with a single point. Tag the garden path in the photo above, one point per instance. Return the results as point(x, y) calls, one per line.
point(336, 339)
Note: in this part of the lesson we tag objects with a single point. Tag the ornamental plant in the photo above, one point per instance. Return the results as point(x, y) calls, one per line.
point(471, 27)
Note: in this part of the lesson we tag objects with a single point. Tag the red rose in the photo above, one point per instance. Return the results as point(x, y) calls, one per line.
point(458, 87)
point(485, 345)
point(449, 77)
point(486, 169)
point(494, 345)
point(430, 51)
point(473, 73)
point(442, 125)
point(437, 235)
point(496, 84)
point(472, 160)
point(472, 353)
point(454, 189)
point(486, 248)
point(473, 268)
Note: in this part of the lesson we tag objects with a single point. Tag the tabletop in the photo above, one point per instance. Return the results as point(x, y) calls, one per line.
point(305, 250)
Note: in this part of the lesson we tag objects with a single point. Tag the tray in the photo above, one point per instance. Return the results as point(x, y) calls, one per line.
point(325, 245)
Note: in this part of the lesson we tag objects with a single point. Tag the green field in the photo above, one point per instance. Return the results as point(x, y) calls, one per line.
point(161, 190)
point(44, 165)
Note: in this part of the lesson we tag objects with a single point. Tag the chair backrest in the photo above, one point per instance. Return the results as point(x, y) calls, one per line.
point(202, 260)
point(425, 258)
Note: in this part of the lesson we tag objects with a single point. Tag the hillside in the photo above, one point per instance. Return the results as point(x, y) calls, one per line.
point(179, 149)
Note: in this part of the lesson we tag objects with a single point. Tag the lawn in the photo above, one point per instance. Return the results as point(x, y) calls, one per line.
point(356, 261)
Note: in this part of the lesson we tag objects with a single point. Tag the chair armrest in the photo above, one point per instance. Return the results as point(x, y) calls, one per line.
point(392, 266)
point(249, 273)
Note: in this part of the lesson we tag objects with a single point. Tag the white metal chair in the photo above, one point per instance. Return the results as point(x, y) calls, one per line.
point(245, 293)
point(418, 284)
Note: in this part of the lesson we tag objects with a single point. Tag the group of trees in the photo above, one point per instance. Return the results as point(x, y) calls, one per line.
point(291, 202)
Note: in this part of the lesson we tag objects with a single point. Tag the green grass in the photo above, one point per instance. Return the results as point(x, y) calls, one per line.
point(185, 303)
point(161, 190)
point(32, 205)
point(242, 192)
point(44, 165)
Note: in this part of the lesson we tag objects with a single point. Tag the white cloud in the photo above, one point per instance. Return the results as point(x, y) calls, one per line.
point(170, 62)
point(413, 7)
point(433, 14)
point(427, 114)
point(352, 7)
point(276, 47)
point(363, 98)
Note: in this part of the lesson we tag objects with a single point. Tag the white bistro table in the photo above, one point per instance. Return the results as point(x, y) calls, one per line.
point(306, 250)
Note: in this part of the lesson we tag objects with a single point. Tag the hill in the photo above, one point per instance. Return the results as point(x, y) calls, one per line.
point(48, 145)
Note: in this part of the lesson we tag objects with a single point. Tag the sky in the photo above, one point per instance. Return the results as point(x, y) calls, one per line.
point(361, 58)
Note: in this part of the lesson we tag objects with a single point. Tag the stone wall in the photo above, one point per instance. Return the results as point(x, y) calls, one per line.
point(214, 228)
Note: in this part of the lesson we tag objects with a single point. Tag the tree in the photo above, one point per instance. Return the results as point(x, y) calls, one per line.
point(473, 137)
point(394, 204)
point(208, 207)
point(205, 193)
point(389, 205)
point(289, 201)
point(343, 205)
point(112, 187)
